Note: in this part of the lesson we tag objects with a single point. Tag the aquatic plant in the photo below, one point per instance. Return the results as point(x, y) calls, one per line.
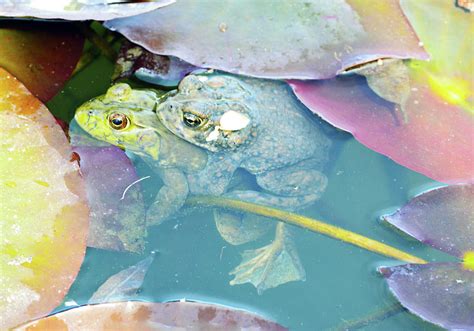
point(378, 86)
point(44, 219)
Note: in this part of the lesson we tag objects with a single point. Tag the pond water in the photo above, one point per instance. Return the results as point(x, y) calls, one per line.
point(193, 261)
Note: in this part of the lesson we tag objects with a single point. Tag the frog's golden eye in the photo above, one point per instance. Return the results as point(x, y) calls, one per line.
point(192, 120)
point(118, 121)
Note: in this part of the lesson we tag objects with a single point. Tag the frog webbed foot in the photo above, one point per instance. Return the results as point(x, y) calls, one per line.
point(271, 265)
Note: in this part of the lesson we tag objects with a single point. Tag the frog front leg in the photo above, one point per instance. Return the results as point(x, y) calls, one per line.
point(171, 196)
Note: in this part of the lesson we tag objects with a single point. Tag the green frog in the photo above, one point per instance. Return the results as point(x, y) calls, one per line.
point(198, 136)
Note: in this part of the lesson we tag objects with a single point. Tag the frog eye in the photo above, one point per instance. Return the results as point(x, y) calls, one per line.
point(192, 120)
point(118, 121)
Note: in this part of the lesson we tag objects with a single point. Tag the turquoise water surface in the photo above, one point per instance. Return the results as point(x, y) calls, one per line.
point(341, 284)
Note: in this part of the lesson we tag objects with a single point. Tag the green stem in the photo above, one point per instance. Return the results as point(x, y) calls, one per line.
point(306, 223)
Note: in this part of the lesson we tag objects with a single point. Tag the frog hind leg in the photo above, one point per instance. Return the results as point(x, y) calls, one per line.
point(170, 198)
point(277, 263)
point(271, 265)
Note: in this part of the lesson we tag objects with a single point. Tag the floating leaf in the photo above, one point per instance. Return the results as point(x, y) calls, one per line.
point(152, 316)
point(436, 140)
point(442, 218)
point(296, 39)
point(124, 284)
point(78, 10)
point(41, 55)
point(152, 68)
point(433, 131)
point(272, 265)
point(442, 293)
point(115, 200)
point(44, 213)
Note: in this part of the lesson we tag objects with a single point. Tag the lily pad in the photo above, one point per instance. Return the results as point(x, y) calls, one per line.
point(41, 55)
point(117, 210)
point(296, 39)
point(442, 218)
point(152, 316)
point(442, 293)
point(80, 10)
point(44, 212)
point(432, 131)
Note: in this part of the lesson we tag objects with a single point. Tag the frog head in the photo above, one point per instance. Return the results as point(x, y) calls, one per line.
point(212, 111)
point(124, 117)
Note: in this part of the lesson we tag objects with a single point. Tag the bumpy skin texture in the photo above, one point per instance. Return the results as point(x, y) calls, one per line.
point(280, 142)
point(171, 158)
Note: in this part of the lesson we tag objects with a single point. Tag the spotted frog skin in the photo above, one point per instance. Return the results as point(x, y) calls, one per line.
point(253, 124)
point(125, 117)
point(199, 137)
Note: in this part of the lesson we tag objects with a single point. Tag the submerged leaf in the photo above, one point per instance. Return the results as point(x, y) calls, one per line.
point(41, 55)
point(275, 264)
point(294, 39)
point(78, 9)
point(117, 210)
point(149, 316)
point(442, 293)
point(442, 218)
point(151, 68)
point(43, 204)
point(123, 285)
point(432, 131)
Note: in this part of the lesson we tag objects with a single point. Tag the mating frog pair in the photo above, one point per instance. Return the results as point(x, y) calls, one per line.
point(197, 136)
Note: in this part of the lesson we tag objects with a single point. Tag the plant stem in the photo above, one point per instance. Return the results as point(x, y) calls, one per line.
point(374, 317)
point(306, 223)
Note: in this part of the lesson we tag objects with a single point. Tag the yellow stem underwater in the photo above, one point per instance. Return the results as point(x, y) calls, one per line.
point(306, 223)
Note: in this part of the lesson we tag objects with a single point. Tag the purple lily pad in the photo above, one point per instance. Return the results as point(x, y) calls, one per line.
point(78, 10)
point(442, 218)
point(117, 211)
point(41, 55)
point(435, 139)
point(151, 68)
point(133, 315)
point(294, 39)
point(430, 129)
point(442, 293)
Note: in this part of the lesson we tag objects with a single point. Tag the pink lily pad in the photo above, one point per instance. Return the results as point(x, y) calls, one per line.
point(442, 218)
point(294, 39)
point(146, 316)
point(117, 210)
point(432, 132)
point(437, 140)
point(78, 10)
point(41, 55)
point(442, 293)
